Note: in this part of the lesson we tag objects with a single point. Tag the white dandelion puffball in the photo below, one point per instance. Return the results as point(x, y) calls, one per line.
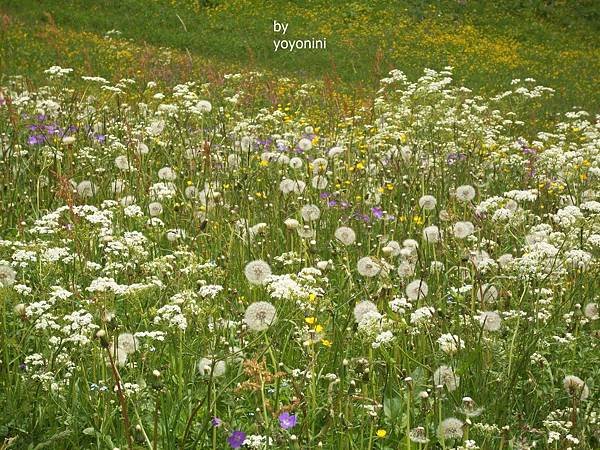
point(259, 316)
point(463, 229)
point(487, 293)
point(445, 376)
point(122, 162)
point(410, 244)
point(283, 159)
point(306, 232)
point(127, 342)
point(167, 174)
point(7, 275)
point(319, 182)
point(416, 290)
point(590, 311)
point(117, 186)
point(345, 235)
point(305, 144)
point(465, 193)
point(175, 234)
point(291, 224)
point(86, 189)
point(364, 308)
point(204, 106)
point(295, 162)
point(393, 248)
point(191, 192)
point(319, 166)
point(335, 151)
point(128, 200)
point(257, 271)
point(431, 234)
point(490, 320)
point(427, 202)
point(406, 269)
point(119, 355)
point(310, 213)
point(208, 366)
point(505, 260)
point(299, 187)
point(469, 407)
point(156, 127)
point(576, 387)
point(246, 143)
point(444, 215)
point(234, 160)
point(450, 428)
point(155, 209)
point(368, 267)
point(20, 309)
point(142, 149)
point(418, 435)
point(286, 186)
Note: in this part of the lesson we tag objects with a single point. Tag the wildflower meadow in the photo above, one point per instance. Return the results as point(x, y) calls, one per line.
point(255, 261)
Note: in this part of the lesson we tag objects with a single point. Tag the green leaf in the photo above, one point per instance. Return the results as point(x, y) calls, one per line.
point(392, 407)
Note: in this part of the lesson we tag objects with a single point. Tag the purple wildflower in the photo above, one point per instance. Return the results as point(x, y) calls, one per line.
point(237, 438)
point(52, 129)
point(265, 143)
point(359, 216)
point(377, 212)
point(287, 420)
point(216, 422)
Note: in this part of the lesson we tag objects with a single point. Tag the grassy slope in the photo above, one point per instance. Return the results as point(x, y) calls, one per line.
point(489, 44)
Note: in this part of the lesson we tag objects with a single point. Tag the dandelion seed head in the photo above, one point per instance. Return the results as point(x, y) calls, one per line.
point(368, 267)
point(208, 366)
point(463, 229)
point(127, 342)
point(427, 202)
point(7, 275)
point(345, 235)
point(259, 316)
point(257, 272)
point(490, 320)
point(450, 428)
point(591, 311)
point(465, 193)
point(445, 376)
point(416, 289)
point(576, 387)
